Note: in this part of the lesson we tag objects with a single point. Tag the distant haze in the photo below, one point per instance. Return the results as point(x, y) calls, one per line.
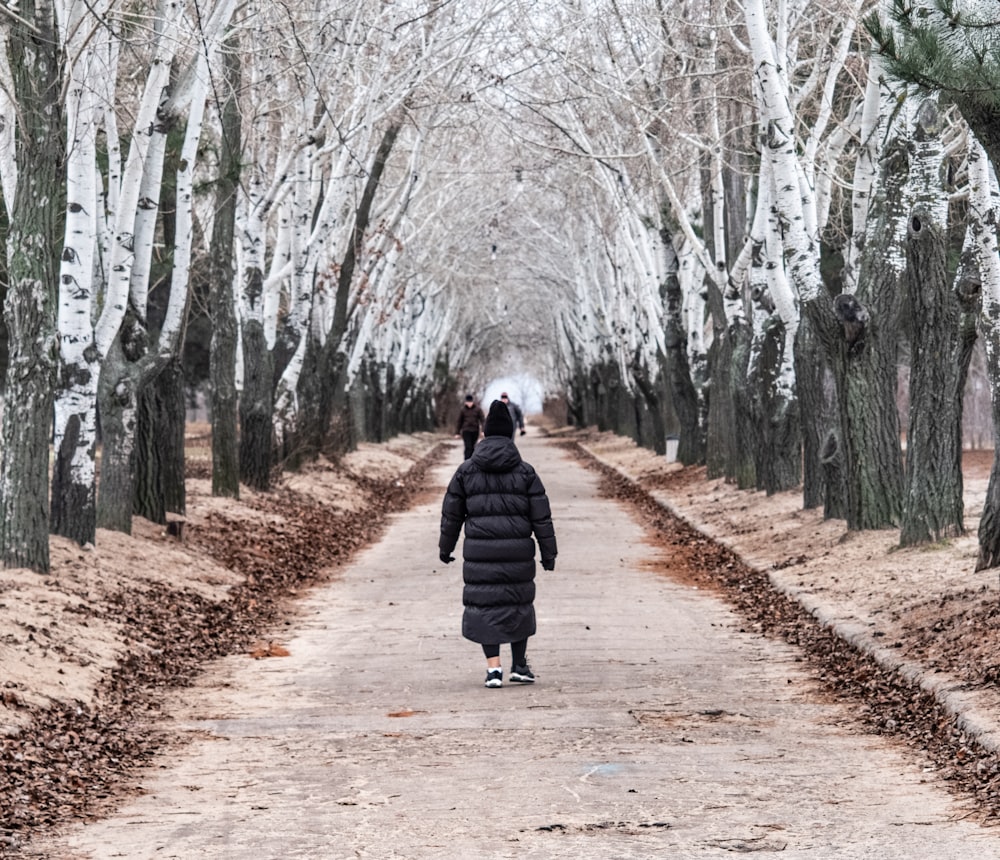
point(525, 390)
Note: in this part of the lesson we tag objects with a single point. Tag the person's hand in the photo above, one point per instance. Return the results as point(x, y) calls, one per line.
point(447, 559)
point(548, 564)
point(523, 431)
point(458, 435)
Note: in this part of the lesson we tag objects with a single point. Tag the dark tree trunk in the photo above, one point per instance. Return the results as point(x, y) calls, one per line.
point(728, 450)
point(869, 424)
point(356, 411)
point(989, 522)
point(401, 418)
point(148, 498)
point(307, 440)
point(607, 393)
point(340, 432)
point(742, 468)
point(384, 394)
point(33, 248)
point(576, 403)
point(720, 431)
point(860, 335)
point(257, 409)
point(128, 371)
point(934, 507)
point(222, 361)
point(774, 412)
point(74, 503)
point(835, 495)
point(117, 405)
point(810, 376)
point(159, 480)
point(654, 408)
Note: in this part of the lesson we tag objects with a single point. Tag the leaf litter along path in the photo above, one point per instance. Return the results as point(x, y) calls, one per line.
point(661, 724)
point(911, 622)
point(88, 653)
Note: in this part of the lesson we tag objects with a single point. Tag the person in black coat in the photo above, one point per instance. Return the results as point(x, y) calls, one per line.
point(517, 416)
point(501, 502)
point(470, 424)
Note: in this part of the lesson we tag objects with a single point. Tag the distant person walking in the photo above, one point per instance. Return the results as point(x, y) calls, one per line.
point(470, 422)
point(502, 503)
point(516, 415)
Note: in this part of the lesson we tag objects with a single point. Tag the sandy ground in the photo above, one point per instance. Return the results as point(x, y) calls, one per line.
point(659, 725)
point(62, 634)
point(58, 635)
point(926, 605)
point(56, 641)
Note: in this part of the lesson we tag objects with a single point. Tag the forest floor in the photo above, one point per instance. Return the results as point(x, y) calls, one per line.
point(87, 651)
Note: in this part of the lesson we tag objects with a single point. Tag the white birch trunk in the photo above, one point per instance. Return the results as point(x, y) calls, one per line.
point(783, 299)
point(865, 173)
point(691, 274)
point(984, 212)
point(145, 215)
point(779, 145)
point(173, 322)
point(76, 396)
point(107, 212)
point(8, 122)
point(73, 502)
point(122, 255)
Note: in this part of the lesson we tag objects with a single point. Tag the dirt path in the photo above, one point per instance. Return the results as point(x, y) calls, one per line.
point(656, 727)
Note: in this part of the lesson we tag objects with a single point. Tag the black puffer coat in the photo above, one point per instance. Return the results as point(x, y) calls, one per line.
point(502, 503)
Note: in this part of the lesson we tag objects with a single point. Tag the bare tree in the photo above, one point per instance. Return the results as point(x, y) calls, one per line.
point(33, 65)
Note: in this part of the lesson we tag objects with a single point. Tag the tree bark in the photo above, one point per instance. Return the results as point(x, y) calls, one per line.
point(989, 523)
point(159, 479)
point(256, 409)
point(74, 503)
point(933, 507)
point(810, 378)
point(335, 349)
point(74, 482)
point(860, 334)
point(306, 441)
point(778, 451)
point(981, 286)
point(691, 444)
point(650, 391)
point(222, 360)
point(117, 404)
point(33, 248)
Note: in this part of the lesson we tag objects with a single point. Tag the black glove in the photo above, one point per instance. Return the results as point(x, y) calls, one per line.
point(447, 559)
point(523, 432)
point(548, 563)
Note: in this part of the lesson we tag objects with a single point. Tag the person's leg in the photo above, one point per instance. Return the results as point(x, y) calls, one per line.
point(492, 653)
point(470, 437)
point(519, 670)
point(494, 674)
point(519, 653)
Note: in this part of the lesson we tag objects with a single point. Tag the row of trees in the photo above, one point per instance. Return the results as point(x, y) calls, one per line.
point(785, 180)
point(729, 221)
point(257, 162)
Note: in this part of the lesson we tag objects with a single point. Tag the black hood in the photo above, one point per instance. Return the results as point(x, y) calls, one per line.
point(496, 454)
